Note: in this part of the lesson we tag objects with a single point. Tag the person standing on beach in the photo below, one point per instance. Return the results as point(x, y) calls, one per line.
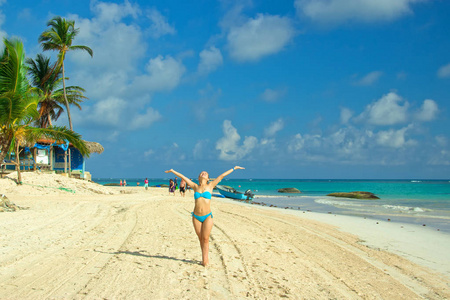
point(171, 187)
point(146, 183)
point(182, 187)
point(120, 184)
point(202, 215)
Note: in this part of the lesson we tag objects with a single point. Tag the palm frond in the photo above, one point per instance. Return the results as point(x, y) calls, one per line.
point(59, 134)
point(84, 48)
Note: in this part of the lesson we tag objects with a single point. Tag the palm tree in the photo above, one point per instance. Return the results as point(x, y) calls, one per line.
point(46, 80)
point(18, 108)
point(59, 37)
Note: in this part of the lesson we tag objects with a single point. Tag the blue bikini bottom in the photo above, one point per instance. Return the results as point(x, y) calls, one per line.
point(202, 218)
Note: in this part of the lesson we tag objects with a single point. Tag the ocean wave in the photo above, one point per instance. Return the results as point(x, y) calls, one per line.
point(406, 208)
point(337, 203)
point(416, 181)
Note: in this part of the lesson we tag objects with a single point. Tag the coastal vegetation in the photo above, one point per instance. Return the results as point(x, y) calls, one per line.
point(20, 97)
point(59, 37)
point(47, 82)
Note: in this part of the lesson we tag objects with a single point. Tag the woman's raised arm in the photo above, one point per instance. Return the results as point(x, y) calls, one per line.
point(188, 181)
point(221, 176)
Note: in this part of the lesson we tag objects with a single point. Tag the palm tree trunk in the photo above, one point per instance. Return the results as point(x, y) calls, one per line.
point(5, 142)
point(3, 150)
point(65, 97)
point(19, 175)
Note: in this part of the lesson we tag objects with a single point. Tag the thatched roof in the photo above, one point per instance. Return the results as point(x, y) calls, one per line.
point(94, 147)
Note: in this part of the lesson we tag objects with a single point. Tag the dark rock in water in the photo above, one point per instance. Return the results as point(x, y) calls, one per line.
point(111, 184)
point(288, 190)
point(356, 195)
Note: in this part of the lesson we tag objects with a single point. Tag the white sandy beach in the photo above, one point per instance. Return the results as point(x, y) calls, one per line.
point(86, 241)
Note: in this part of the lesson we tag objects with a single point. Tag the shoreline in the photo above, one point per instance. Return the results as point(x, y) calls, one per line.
point(130, 243)
point(408, 240)
point(405, 239)
point(435, 221)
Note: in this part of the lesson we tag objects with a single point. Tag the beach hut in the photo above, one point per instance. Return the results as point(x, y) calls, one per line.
point(52, 156)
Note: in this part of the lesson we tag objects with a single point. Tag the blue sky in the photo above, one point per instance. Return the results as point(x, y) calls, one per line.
point(287, 89)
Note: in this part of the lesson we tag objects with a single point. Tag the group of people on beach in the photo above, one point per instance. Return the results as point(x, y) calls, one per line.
point(202, 217)
point(173, 184)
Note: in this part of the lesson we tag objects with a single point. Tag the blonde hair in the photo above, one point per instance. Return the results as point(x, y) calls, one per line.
point(201, 174)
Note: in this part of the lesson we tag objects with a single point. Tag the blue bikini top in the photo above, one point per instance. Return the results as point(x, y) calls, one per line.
point(205, 194)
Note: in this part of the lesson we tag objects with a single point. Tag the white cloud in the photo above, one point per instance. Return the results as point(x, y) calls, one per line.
point(204, 150)
point(172, 154)
point(394, 138)
point(115, 113)
point(335, 12)
point(229, 146)
point(386, 111)
point(346, 115)
point(259, 37)
point(159, 26)
point(296, 144)
point(3, 34)
point(162, 74)
point(210, 60)
point(107, 112)
point(342, 145)
point(351, 145)
point(144, 120)
point(114, 73)
point(149, 152)
point(274, 127)
point(271, 95)
point(208, 100)
point(391, 109)
point(370, 78)
point(112, 13)
point(110, 38)
point(441, 140)
point(428, 111)
point(444, 71)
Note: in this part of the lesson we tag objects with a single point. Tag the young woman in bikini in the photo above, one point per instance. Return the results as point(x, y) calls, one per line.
point(202, 215)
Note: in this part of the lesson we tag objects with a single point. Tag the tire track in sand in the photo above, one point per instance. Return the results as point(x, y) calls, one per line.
point(324, 268)
point(65, 269)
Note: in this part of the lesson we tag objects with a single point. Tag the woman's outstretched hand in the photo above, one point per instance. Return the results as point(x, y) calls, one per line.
point(169, 171)
point(237, 167)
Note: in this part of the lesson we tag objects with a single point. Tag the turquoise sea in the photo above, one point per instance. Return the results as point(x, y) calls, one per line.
point(422, 202)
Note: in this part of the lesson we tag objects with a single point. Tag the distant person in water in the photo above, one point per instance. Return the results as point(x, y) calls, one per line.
point(182, 187)
point(202, 216)
point(171, 187)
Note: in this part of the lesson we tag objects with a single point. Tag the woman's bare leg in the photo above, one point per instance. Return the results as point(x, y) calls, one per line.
point(203, 230)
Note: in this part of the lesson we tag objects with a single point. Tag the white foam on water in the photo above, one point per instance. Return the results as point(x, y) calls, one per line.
point(337, 203)
point(405, 208)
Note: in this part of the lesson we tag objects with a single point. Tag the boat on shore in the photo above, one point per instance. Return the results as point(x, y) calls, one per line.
point(230, 192)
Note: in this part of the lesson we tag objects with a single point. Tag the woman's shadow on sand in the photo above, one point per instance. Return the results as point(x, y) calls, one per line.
point(140, 253)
